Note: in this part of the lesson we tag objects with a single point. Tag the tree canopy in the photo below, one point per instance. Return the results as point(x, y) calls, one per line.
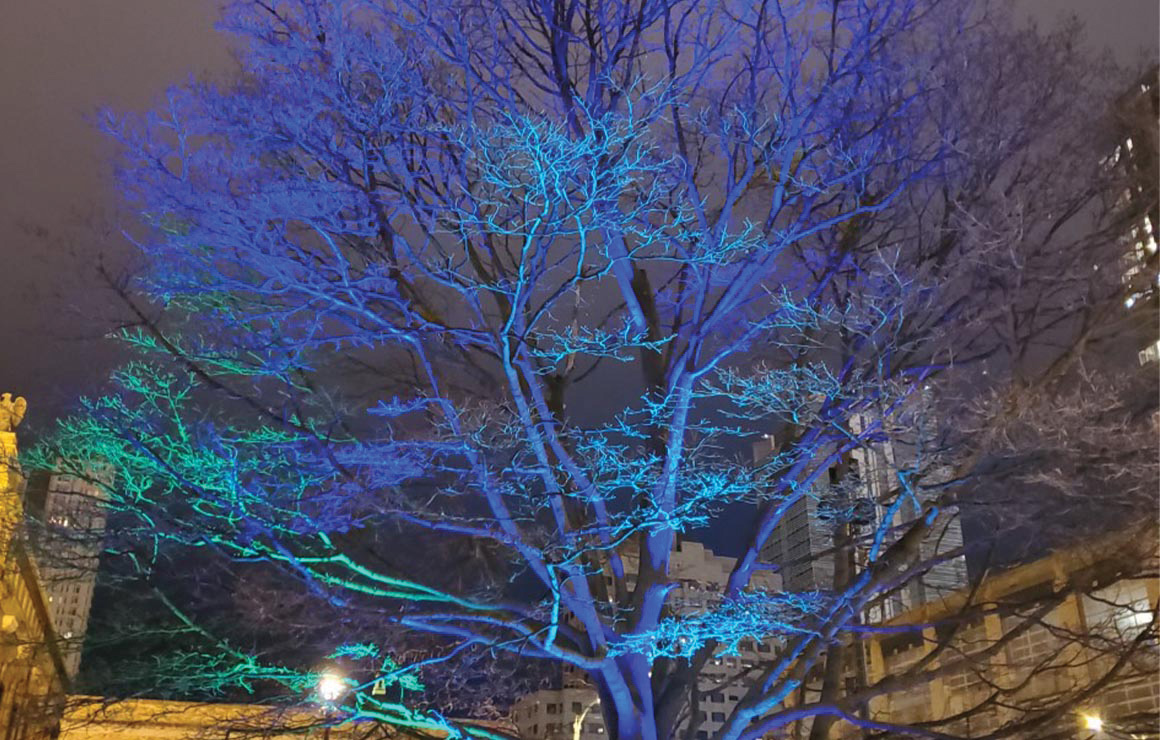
point(458, 314)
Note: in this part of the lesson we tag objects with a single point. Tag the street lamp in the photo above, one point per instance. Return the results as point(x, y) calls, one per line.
point(330, 686)
point(1093, 722)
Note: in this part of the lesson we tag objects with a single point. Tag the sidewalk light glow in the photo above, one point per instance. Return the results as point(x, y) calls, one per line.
point(330, 686)
point(1093, 722)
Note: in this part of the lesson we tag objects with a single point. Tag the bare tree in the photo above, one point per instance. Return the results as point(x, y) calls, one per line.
point(458, 312)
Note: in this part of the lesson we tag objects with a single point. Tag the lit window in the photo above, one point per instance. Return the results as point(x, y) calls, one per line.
point(1133, 616)
point(1150, 353)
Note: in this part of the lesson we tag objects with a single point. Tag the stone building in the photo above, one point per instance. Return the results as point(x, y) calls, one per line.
point(1039, 634)
point(96, 718)
point(33, 679)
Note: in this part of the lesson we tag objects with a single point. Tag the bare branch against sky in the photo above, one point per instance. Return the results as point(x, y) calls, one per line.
point(62, 59)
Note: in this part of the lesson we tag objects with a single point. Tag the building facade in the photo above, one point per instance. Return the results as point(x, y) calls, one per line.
point(865, 494)
point(97, 718)
point(66, 533)
point(1135, 157)
point(33, 680)
point(1074, 630)
point(569, 712)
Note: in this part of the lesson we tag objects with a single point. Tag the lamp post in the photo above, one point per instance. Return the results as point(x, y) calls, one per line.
point(1093, 722)
point(331, 687)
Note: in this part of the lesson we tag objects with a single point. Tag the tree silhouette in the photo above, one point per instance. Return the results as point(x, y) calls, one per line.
point(458, 313)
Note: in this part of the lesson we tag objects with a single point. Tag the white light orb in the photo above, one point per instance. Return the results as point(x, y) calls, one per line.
point(330, 686)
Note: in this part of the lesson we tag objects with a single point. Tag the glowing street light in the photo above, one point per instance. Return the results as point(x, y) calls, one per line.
point(330, 686)
point(1099, 728)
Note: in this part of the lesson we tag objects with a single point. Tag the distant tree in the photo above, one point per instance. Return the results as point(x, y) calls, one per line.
point(458, 313)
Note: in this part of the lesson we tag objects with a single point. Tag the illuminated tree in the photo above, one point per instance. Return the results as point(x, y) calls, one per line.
point(442, 285)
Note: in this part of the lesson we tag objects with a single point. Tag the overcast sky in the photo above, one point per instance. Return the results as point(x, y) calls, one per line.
point(61, 60)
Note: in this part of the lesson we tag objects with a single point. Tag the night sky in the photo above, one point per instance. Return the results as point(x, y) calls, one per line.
point(61, 60)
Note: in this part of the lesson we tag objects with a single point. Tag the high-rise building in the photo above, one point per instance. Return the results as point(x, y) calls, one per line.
point(573, 712)
point(800, 546)
point(877, 475)
point(1136, 157)
point(866, 494)
point(69, 524)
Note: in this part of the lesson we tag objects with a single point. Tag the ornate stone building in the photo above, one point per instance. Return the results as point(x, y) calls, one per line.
point(33, 680)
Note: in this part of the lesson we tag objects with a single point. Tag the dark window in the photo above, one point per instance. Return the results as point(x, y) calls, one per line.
point(577, 707)
point(553, 708)
point(718, 716)
point(895, 644)
point(1029, 597)
point(945, 630)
